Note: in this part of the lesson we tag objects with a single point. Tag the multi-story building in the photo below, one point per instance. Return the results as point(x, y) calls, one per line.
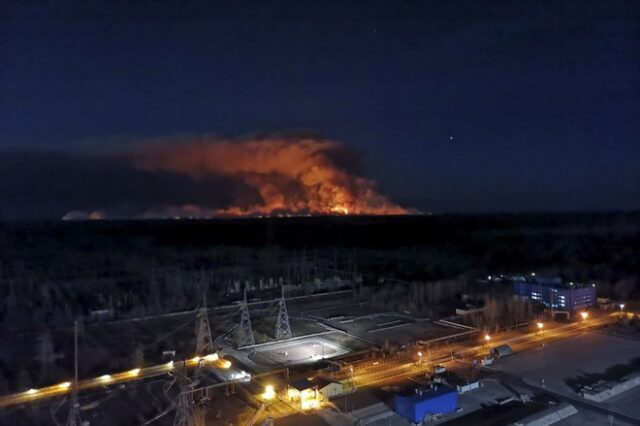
point(555, 294)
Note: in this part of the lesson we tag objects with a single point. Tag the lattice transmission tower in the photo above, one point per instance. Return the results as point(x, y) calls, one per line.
point(246, 331)
point(189, 412)
point(204, 340)
point(283, 329)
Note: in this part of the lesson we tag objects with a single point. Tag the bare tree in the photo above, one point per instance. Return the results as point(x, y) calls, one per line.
point(24, 380)
point(138, 356)
point(45, 354)
point(625, 287)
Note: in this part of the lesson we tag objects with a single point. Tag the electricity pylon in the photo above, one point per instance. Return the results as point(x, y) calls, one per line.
point(204, 346)
point(74, 418)
point(204, 342)
point(188, 411)
point(182, 409)
point(283, 329)
point(246, 337)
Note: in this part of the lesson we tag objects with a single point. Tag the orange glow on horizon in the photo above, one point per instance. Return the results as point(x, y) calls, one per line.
point(281, 176)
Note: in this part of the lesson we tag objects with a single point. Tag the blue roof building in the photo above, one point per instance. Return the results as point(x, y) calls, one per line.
point(441, 399)
point(553, 293)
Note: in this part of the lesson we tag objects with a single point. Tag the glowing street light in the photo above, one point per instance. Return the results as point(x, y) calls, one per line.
point(105, 378)
point(211, 357)
point(584, 315)
point(64, 385)
point(541, 328)
point(269, 392)
point(133, 372)
point(32, 391)
point(621, 307)
point(486, 339)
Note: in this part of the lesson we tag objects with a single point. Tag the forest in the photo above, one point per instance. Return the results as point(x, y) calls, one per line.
point(53, 272)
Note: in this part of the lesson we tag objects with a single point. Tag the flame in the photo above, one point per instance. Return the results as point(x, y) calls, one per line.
point(290, 176)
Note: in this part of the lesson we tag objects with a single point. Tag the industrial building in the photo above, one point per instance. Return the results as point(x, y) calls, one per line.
point(328, 388)
point(422, 404)
point(304, 392)
point(553, 293)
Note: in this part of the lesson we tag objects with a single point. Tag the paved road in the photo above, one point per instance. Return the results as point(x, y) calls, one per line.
point(39, 394)
point(384, 371)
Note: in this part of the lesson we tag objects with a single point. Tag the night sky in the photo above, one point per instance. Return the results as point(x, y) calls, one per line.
point(455, 106)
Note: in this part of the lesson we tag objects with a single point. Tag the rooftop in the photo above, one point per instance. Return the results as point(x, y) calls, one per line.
point(321, 381)
point(424, 394)
point(302, 384)
point(548, 281)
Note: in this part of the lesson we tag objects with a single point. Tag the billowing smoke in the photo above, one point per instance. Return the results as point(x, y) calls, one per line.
point(190, 177)
point(290, 175)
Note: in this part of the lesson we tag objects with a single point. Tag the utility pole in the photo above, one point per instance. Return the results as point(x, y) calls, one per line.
point(283, 329)
point(74, 418)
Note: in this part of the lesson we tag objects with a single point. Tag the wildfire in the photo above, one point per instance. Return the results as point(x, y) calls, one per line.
point(340, 210)
point(286, 176)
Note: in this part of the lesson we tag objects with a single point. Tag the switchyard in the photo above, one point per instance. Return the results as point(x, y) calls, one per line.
point(296, 351)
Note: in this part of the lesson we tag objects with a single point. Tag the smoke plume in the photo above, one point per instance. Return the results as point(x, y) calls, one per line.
point(290, 175)
point(190, 177)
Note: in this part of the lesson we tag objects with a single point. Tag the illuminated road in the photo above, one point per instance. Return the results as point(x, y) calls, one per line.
point(366, 373)
point(388, 371)
point(33, 395)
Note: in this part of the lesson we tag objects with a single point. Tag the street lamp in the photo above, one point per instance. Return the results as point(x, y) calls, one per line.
point(621, 307)
point(487, 339)
point(541, 328)
point(584, 315)
point(353, 387)
point(269, 392)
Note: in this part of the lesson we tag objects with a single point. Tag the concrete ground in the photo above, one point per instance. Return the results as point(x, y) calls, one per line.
point(627, 402)
point(567, 360)
point(295, 352)
point(580, 360)
point(396, 328)
point(298, 351)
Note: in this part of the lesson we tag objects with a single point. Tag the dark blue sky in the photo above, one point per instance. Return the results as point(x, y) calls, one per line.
point(542, 98)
